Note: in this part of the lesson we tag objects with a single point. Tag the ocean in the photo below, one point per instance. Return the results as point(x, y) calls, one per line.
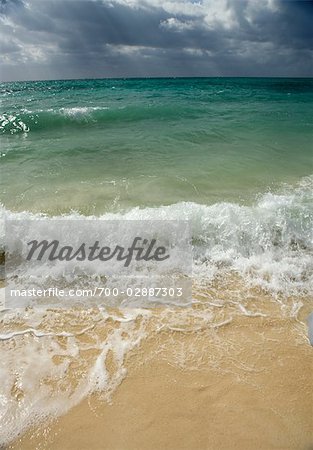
point(232, 156)
point(98, 146)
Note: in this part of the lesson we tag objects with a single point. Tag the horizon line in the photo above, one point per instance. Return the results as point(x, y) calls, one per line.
point(152, 78)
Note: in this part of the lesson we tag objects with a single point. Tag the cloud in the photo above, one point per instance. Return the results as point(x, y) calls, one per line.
point(7, 5)
point(100, 38)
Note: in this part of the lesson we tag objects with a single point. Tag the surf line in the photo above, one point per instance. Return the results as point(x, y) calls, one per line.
point(140, 250)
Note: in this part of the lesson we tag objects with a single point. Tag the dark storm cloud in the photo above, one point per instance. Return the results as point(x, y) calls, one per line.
point(5, 5)
point(72, 39)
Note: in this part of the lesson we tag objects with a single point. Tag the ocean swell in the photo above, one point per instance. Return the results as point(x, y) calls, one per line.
point(25, 121)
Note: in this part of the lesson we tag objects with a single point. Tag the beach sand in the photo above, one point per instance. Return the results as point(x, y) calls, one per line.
point(245, 385)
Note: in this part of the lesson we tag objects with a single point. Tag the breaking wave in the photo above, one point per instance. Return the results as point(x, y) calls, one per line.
point(269, 244)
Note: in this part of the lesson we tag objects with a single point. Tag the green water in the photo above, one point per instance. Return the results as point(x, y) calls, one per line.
point(105, 145)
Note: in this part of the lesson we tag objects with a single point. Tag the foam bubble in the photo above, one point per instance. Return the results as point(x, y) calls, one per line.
point(13, 124)
point(46, 371)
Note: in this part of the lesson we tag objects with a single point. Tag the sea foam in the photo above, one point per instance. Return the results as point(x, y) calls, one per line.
point(269, 244)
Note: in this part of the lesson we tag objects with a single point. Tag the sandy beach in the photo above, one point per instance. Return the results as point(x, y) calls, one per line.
point(243, 385)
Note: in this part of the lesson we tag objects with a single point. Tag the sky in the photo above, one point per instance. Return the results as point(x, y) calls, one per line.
point(60, 39)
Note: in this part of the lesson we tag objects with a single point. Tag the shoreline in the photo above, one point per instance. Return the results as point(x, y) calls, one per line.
point(252, 389)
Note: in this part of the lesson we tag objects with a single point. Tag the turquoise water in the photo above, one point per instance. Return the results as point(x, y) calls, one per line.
point(96, 146)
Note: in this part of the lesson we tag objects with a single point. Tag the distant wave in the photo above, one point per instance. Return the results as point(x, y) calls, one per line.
point(82, 116)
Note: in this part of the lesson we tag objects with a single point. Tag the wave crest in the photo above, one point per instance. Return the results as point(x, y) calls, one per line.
point(270, 243)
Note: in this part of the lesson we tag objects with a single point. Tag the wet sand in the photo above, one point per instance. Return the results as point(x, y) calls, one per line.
point(246, 385)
